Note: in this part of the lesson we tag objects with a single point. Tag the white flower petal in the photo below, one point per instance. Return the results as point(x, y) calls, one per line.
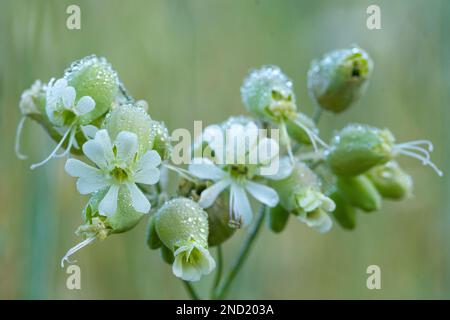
point(268, 149)
point(108, 205)
point(147, 176)
point(85, 105)
point(210, 194)
point(262, 193)
point(86, 185)
point(68, 95)
point(205, 169)
point(207, 263)
point(77, 168)
point(59, 84)
point(138, 200)
point(127, 145)
point(242, 208)
point(89, 131)
point(151, 159)
point(99, 150)
point(284, 169)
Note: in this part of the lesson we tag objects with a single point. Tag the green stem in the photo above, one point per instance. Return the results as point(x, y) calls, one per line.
point(190, 289)
point(245, 249)
point(219, 268)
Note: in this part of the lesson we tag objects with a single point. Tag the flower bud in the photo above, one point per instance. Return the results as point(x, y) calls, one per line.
point(95, 78)
point(182, 226)
point(345, 213)
point(360, 192)
point(129, 117)
point(358, 148)
point(277, 218)
point(268, 93)
point(340, 78)
point(391, 181)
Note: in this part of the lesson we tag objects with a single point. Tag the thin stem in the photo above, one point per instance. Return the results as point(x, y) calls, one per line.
point(245, 249)
point(317, 114)
point(219, 268)
point(190, 289)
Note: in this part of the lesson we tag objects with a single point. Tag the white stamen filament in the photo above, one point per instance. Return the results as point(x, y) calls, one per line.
point(74, 249)
point(69, 145)
point(19, 130)
point(182, 172)
point(53, 153)
point(314, 138)
point(286, 140)
point(424, 159)
point(417, 142)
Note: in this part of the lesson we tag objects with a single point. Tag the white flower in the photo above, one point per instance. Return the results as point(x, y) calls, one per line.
point(61, 108)
point(314, 207)
point(192, 261)
point(63, 113)
point(245, 156)
point(118, 165)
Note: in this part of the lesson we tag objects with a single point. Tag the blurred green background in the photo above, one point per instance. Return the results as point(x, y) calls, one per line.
point(188, 58)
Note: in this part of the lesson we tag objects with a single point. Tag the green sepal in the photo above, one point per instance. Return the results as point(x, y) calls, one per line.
point(391, 181)
point(166, 255)
point(153, 240)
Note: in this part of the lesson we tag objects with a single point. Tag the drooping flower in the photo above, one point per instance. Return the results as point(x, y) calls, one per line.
point(117, 165)
point(301, 194)
point(182, 226)
point(240, 159)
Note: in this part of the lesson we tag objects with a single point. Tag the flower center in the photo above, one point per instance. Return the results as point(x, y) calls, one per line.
point(68, 117)
point(119, 174)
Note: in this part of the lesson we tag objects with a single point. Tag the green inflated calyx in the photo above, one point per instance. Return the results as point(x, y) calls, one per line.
point(360, 192)
point(340, 78)
point(358, 148)
point(131, 118)
point(97, 226)
point(181, 221)
point(94, 77)
point(391, 181)
point(153, 240)
point(268, 93)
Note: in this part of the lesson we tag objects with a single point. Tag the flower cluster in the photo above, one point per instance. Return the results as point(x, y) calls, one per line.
point(273, 159)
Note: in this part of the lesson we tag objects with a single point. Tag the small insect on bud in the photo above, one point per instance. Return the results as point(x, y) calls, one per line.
point(219, 221)
point(391, 181)
point(99, 226)
point(300, 193)
point(360, 192)
point(182, 226)
point(345, 213)
point(340, 78)
point(357, 148)
point(268, 93)
point(131, 118)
